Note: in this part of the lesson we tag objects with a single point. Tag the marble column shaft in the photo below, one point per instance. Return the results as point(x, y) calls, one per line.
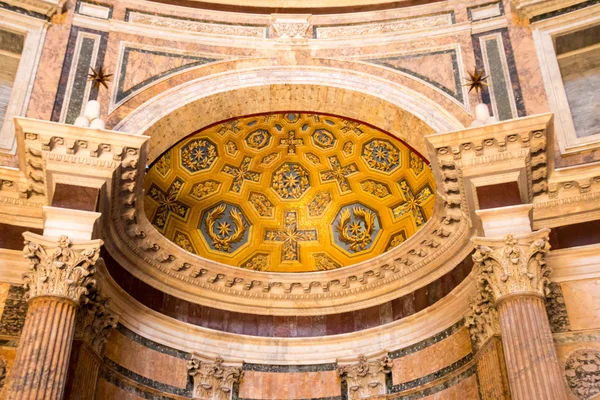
point(40, 367)
point(532, 364)
point(513, 271)
point(60, 274)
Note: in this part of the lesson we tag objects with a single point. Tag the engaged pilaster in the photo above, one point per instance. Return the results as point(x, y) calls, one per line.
point(513, 270)
point(60, 274)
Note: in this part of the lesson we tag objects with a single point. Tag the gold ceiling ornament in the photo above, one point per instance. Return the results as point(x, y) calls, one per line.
point(99, 78)
point(301, 192)
point(476, 80)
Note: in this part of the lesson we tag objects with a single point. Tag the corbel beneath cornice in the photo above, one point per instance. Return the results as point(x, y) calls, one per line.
point(509, 152)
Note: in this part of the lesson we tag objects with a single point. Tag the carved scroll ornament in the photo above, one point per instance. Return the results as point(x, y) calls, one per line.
point(59, 268)
point(514, 264)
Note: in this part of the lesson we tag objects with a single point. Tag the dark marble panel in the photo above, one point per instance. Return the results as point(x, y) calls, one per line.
point(15, 311)
point(109, 6)
point(75, 197)
point(557, 309)
point(11, 236)
point(575, 235)
point(152, 344)
point(499, 195)
point(289, 368)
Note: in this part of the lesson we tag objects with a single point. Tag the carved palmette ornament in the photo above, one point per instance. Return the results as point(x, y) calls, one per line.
point(514, 264)
point(365, 378)
point(59, 268)
point(213, 380)
point(483, 321)
point(95, 322)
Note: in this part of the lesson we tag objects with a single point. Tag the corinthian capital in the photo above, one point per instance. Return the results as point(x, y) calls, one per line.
point(59, 267)
point(513, 264)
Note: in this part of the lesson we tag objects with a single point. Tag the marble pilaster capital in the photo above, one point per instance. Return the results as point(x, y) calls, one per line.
point(95, 322)
point(513, 265)
point(213, 379)
point(482, 322)
point(59, 267)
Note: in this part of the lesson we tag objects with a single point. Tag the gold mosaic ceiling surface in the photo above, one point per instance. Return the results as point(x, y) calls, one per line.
point(289, 192)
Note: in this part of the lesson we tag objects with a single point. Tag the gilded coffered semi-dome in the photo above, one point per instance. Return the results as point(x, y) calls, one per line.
point(289, 192)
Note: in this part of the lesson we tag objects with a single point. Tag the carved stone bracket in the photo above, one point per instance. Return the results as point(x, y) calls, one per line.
point(58, 267)
point(482, 322)
point(514, 264)
point(95, 322)
point(213, 380)
point(365, 379)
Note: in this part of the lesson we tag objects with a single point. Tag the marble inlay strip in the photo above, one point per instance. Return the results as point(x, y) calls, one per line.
point(574, 337)
point(289, 368)
point(196, 25)
point(485, 11)
point(503, 103)
point(446, 333)
point(384, 27)
point(151, 344)
point(114, 379)
point(142, 380)
point(430, 377)
point(10, 7)
point(86, 48)
point(565, 10)
point(442, 386)
point(498, 61)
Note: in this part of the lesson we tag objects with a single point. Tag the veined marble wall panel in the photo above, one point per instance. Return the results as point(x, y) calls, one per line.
point(140, 66)
point(290, 382)
point(445, 353)
point(144, 361)
point(135, 367)
point(582, 299)
point(579, 357)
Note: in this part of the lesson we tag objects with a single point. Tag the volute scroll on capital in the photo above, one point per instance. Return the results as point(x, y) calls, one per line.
point(59, 267)
point(513, 264)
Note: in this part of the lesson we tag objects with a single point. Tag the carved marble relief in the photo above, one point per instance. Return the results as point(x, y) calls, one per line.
point(213, 380)
point(366, 379)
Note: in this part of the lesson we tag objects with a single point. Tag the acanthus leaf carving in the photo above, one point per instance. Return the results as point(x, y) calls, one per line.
point(482, 322)
point(95, 322)
point(514, 264)
point(365, 379)
point(60, 268)
point(213, 380)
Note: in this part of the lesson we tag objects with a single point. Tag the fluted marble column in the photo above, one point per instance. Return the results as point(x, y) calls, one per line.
point(513, 270)
point(60, 273)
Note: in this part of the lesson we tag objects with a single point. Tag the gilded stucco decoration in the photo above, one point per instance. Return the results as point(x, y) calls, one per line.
point(289, 192)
